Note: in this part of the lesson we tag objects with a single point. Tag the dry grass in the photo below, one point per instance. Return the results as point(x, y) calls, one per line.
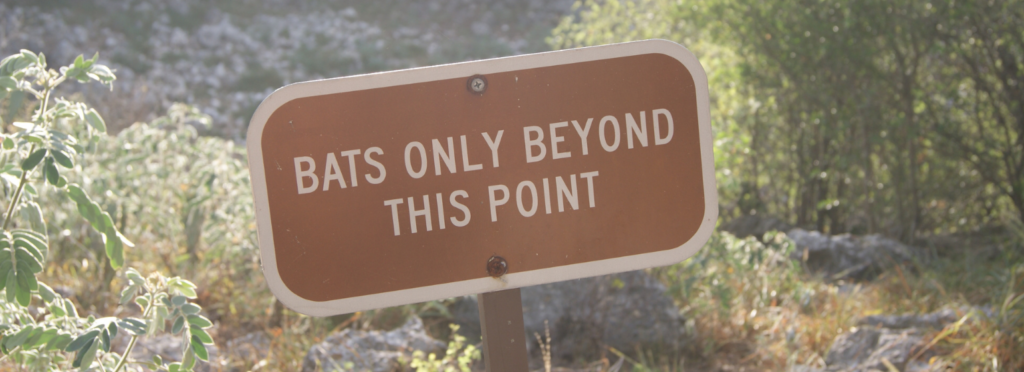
point(751, 308)
point(769, 315)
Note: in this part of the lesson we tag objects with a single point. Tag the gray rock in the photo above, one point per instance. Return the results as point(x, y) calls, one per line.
point(377, 351)
point(250, 347)
point(847, 256)
point(891, 339)
point(803, 368)
point(871, 348)
point(754, 225)
point(236, 56)
point(626, 311)
point(936, 319)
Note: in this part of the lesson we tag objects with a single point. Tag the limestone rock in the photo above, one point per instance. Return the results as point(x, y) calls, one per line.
point(871, 348)
point(624, 311)
point(892, 339)
point(936, 319)
point(376, 351)
point(249, 347)
point(847, 256)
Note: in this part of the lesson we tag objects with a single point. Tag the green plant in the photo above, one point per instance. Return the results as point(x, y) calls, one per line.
point(43, 152)
point(458, 358)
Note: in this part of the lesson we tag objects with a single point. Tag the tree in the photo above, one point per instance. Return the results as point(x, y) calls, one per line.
point(831, 114)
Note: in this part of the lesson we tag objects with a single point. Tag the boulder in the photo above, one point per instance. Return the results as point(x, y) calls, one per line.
point(249, 347)
point(936, 320)
point(754, 225)
point(847, 256)
point(884, 339)
point(626, 311)
point(377, 351)
point(871, 349)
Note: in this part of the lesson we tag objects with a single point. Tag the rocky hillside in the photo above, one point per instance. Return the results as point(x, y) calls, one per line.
point(225, 57)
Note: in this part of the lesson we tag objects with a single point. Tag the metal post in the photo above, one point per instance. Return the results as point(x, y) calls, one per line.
point(504, 334)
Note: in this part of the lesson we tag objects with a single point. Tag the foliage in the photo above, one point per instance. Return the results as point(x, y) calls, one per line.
point(868, 116)
point(185, 196)
point(458, 358)
point(32, 158)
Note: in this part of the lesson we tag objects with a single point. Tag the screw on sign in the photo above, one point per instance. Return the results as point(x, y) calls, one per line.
point(477, 84)
point(496, 266)
point(574, 163)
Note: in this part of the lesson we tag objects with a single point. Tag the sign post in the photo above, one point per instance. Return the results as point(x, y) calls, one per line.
point(482, 177)
point(501, 320)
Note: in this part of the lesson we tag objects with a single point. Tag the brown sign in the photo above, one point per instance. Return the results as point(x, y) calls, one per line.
point(399, 187)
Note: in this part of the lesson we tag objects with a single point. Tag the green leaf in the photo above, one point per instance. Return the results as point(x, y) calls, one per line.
point(189, 359)
point(33, 159)
point(5, 268)
point(29, 55)
point(82, 340)
point(63, 159)
point(70, 308)
point(103, 74)
point(21, 244)
point(30, 261)
point(19, 338)
point(190, 309)
point(199, 332)
point(179, 300)
point(174, 367)
point(134, 276)
point(199, 348)
point(34, 239)
point(11, 285)
point(16, 100)
point(85, 357)
point(178, 324)
point(133, 326)
point(14, 64)
point(113, 241)
point(105, 339)
point(57, 311)
point(142, 302)
point(93, 118)
point(26, 283)
point(128, 293)
point(33, 339)
point(46, 292)
point(182, 287)
point(114, 246)
point(44, 337)
point(58, 342)
point(7, 82)
point(199, 321)
point(31, 211)
point(8, 143)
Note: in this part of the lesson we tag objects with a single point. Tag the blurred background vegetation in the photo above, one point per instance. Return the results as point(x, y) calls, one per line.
point(900, 118)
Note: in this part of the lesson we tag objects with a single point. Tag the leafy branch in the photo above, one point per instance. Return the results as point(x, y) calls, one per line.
point(42, 342)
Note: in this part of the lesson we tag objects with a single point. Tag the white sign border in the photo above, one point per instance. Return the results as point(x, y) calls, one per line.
point(464, 70)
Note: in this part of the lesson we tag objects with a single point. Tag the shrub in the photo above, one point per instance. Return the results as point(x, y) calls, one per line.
point(40, 157)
